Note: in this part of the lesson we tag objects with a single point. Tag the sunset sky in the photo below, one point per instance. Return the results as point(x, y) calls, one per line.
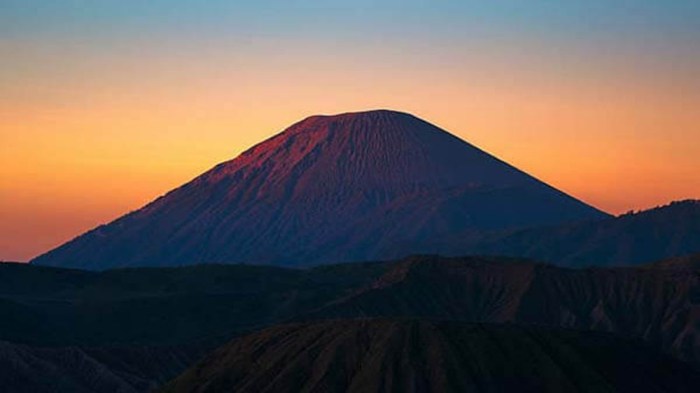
point(105, 105)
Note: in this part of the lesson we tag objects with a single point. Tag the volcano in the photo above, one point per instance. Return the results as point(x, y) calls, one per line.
point(355, 186)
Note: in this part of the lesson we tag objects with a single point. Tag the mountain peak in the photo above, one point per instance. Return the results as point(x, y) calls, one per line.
point(354, 186)
point(372, 114)
point(380, 120)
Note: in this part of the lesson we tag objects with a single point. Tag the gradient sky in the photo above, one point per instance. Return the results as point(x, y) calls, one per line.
point(104, 105)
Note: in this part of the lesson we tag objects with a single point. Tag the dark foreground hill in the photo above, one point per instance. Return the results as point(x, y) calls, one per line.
point(357, 186)
point(421, 356)
point(164, 306)
point(635, 238)
point(205, 306)
point(25, 369)
point(43, 306)
point(660, 305)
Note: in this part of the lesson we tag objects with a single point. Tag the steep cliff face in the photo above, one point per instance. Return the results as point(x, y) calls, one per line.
point(357, 186)
point(420, 356)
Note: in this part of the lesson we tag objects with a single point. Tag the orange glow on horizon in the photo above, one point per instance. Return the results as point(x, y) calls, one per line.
point(79, 151)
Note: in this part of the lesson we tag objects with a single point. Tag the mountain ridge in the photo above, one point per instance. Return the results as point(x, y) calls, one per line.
point(645, 236)
point(70, 307)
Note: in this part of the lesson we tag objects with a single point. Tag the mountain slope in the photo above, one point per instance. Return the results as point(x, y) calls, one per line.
point(164, 306)
point(83, 370)
point(659, 303)
point(688, 263)
point(663, 232)
point(661, 306)
point(357, 186)
point(421, 356)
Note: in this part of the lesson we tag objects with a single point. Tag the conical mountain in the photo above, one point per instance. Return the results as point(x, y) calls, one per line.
point(355, 186)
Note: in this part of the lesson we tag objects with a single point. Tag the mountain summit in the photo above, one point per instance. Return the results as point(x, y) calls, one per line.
point(355, 186)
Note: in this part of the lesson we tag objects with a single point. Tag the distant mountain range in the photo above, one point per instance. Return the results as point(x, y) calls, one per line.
point(630, 239)
point(357, 186)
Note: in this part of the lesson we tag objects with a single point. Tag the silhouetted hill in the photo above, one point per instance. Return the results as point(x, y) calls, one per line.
point(421, 356)
point(357, 186)
point(52, 306)
point(667, 231)
point(25, 369)
point(214, 302)
point(661, 306)
point(686, 263)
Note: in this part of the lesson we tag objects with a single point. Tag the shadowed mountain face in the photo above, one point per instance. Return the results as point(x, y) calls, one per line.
point(643, 237)
point(421, 356)
point(165, 306)
point(357, 186)
point(25, 369)
point(662, 306)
